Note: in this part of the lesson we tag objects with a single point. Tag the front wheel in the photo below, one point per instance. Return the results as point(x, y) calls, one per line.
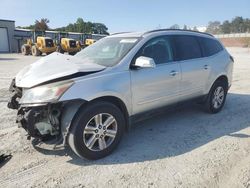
point(35, 51)
point(97, 130)
point(216, 97)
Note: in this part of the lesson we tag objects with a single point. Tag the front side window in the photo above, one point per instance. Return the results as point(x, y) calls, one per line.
point(158, 49)
point(186, 47)
point(107, 51)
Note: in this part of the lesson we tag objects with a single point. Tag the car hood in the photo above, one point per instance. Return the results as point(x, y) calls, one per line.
point(52, 67)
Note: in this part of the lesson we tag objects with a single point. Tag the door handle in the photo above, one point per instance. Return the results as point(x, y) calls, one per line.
point(206, 67)
point(173, 73)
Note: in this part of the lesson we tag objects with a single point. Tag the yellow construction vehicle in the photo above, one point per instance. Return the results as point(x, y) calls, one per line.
point(66, 44)
point(38, 44)
point(89, 42)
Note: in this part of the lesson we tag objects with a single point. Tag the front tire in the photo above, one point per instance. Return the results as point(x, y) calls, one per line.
point(216, 97)
point(96, 130)
point(35, 51)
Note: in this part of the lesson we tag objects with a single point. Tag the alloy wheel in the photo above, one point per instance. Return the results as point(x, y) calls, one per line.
point(100, 132)
point(218, 97)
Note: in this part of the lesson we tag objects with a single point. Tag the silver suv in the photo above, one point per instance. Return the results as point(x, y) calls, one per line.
point(88, 100)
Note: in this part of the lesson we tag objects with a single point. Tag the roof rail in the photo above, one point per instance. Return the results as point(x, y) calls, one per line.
point(120, 33)
point(157, 30)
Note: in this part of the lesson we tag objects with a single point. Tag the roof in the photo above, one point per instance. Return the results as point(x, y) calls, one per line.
point(166, 31)
point(19, 29)
point(127, 34)
point(6, 20)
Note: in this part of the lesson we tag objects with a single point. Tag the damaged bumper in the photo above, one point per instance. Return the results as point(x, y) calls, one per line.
point(43, 120)
point(16, 94)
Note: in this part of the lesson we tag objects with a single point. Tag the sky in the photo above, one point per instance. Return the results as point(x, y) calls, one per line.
point(124, 15)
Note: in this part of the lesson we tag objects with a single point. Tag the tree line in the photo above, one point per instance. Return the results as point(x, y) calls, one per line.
point(79, 26)
point(236, 25)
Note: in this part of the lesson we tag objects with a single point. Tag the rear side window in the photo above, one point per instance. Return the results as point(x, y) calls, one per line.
point(186, 47)
point(210, 46)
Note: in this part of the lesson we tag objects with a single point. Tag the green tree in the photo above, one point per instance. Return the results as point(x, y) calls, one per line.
point(214, 27)
point(80, 25)
point(226, 27)
point(41, 25)
point(99, 28)
point(85, 27)
point(237, 25)
point(175, 26)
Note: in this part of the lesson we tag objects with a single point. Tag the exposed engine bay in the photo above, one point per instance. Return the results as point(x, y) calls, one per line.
point(40, 122)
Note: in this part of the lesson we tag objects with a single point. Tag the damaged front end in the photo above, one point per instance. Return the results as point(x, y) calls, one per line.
point(41, 121)
point(16, 94)
point(40, 112)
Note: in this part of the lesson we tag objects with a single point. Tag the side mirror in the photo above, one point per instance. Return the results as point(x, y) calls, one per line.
point(144, 62)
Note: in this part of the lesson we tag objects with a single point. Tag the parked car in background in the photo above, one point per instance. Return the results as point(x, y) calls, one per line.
point(89, 99)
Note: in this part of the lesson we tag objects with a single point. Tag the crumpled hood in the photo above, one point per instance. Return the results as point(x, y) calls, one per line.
point(53, 66)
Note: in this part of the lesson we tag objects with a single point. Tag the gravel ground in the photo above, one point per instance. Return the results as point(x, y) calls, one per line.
point(180, 148)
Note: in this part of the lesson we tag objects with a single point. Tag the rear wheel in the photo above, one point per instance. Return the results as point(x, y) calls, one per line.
point(25, 49)
point(96, 130)
point(59, 49)
point(216, 97)
point(72, 53)
point(35, 51)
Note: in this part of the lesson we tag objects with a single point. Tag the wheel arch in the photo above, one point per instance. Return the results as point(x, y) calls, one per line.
point(223, 78)
point(74, 108)
point(117, 102)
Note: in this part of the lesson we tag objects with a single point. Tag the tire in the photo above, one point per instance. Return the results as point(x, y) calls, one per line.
point(25, 49)
point(72, 53)
point(59, 49)
point(35, 51)
point(85, 121)
point(213, 104)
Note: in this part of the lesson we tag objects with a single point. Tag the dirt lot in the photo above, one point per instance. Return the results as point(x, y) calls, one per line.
point(182, 148)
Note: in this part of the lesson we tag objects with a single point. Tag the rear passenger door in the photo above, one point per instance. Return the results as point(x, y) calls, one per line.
point(194, 68)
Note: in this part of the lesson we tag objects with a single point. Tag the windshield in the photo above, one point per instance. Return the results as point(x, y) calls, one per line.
point(107, 51)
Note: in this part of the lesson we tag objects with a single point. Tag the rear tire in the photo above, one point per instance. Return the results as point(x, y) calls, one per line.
point(72, 53)
point(59, 49)
point(86, 136)
point(35, 51)
point(216, 97)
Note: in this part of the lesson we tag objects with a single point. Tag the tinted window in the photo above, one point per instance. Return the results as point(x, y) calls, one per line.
point(186, 47)
point(210, 46)
point(158, 49)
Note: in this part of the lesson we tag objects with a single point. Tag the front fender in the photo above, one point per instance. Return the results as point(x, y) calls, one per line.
point(114, 85)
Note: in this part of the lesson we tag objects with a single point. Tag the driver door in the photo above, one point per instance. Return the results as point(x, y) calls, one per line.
point(158, 86)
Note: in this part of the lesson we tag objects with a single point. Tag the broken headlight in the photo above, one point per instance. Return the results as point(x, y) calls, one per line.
point(45, 93)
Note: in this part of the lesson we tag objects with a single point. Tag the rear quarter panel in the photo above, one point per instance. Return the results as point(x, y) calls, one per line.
point(220, 65)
